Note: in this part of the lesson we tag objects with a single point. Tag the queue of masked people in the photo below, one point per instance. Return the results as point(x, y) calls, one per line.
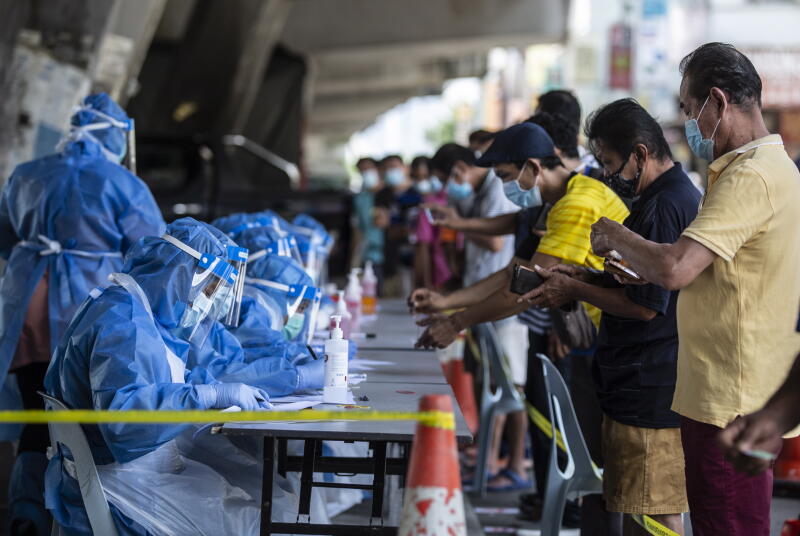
point(671, 314)
point(106, 307)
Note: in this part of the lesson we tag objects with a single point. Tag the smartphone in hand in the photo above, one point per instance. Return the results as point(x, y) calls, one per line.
point(616, 265)
point(524, 280)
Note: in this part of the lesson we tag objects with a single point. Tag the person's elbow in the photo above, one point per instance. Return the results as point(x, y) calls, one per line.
point(672, 275)
point(496, 244)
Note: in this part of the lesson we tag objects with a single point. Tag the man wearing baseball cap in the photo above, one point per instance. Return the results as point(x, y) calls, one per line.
point(523, 157)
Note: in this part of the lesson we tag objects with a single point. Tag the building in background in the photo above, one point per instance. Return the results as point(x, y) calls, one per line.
point(627, 48)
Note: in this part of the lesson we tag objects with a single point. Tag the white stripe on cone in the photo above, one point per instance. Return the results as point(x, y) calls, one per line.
point(433, 511)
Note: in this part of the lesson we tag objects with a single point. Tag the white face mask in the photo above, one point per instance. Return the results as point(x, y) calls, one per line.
point(424, 187)
point(370, 178)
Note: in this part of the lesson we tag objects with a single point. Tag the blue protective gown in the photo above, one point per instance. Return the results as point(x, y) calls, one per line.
point(113, 356)
point(93, 208)
point(71, 216)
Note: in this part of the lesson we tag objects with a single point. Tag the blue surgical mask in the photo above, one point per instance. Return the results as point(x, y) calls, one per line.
point(370, 178)
point(436, 184)
point(458, 191)
point(700, 146)
point(521, 197)
point(395, 176)
point(424, 186)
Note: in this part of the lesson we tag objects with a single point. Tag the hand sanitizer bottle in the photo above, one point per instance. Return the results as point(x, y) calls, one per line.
point(335, 388)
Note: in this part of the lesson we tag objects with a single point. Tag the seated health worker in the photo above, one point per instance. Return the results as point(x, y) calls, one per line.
point(142, 343)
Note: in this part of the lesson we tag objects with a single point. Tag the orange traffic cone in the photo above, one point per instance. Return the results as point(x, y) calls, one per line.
point(462, 382)
point(434, 503)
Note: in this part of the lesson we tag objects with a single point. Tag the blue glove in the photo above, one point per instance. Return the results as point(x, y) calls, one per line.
point(311, 375)
point(238, 394)
point(352, 350)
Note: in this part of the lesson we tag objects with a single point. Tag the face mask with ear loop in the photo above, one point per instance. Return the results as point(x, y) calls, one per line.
point(625, 188)
point(302, 307)
point(521, 197)
point(701, 147)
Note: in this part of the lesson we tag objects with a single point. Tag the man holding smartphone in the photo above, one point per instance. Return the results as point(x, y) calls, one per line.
point(634, 365)
point(736, 267)
point(524, 158)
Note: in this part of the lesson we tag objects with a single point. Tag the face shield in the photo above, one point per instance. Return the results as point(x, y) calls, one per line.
point(301, 310)
point(212, 296)
point(315, 247)
point(283, 247)
point(237, 258)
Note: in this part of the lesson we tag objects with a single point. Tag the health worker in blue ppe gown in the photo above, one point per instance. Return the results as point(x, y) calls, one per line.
point(146, 342)
point(265, 320)
point(289, 293)
point(272, 238)
point(65, 222)
point(262, 319)
point(315, 245)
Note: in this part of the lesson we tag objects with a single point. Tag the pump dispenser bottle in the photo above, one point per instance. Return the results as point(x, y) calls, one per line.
point(369, 291)
point(335, 388)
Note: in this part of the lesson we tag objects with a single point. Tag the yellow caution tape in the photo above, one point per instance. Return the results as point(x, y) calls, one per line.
point(543, 423)
point(435, 419)
point(652, 526)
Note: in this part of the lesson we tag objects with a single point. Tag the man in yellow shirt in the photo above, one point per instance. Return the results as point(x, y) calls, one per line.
point(737, 267)
point(523, 158)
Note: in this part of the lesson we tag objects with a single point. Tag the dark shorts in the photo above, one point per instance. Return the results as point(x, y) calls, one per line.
point(721, 499)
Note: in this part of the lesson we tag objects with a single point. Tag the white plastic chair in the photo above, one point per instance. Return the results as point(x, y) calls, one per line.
point(94, 498)
point(580, 477)
point(505, 399)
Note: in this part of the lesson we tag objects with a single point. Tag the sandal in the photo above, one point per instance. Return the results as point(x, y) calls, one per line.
point(517, 482)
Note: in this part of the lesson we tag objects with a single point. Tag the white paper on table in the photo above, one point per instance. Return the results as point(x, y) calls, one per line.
point(360, 367)
point(299, 397)
point(295, 406)
point(370, 362)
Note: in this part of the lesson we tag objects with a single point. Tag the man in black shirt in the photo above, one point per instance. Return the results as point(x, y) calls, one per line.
point(635, 362)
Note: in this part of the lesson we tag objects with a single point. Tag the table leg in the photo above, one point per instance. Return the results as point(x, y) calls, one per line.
point(378, 480)
point(282, 456)
point(266, 486)
point(307, 480)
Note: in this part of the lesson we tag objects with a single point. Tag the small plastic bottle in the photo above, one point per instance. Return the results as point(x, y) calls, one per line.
point(352, 297)
point(369, 291)
point(341, 311)
point(336, 349)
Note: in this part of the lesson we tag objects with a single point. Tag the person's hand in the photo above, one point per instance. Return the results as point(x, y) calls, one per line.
point(440, 333)
point(556, 290)
point(443, 216)
point(425, 301)
point(238, 394)
point(556, 349)
point(603, 234)
point(575, 272)
point(311, 375)
point(758, 433)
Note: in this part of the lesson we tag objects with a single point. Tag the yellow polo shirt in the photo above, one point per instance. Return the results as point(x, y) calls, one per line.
point(569, 224)
point(737, 319)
